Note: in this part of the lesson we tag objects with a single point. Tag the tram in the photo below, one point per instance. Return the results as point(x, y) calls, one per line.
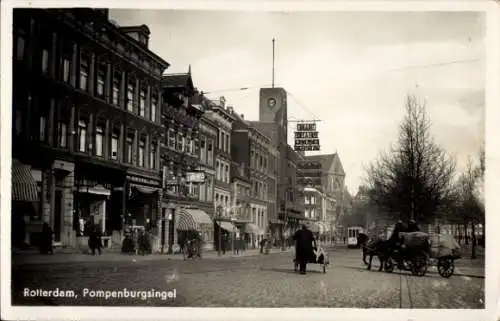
point(352, 235)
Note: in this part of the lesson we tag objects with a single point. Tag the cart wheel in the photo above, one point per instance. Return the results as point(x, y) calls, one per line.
point(419, 267)
point(324, 268)
point(446, 266)
point(389, 266)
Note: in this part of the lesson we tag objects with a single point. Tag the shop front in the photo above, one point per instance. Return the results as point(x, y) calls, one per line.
point(25, 208)
point(193, 223)
point(254, 234)
point(143, 206)
point(99, 203)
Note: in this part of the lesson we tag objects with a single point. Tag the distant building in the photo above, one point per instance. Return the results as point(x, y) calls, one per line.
point(326, 174)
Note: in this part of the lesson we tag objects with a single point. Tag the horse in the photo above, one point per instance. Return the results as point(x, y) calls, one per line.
point(377, 247)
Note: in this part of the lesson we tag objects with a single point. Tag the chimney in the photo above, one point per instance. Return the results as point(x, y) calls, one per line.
point(230, 109)
point(242, 116)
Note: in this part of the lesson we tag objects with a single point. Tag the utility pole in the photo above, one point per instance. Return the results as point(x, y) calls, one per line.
point(273, 63)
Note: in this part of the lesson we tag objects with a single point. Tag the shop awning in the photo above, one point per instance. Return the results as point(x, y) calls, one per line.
point(228, 226)
point(145, 189)
point(192, 219)
point(251, 228)
point(96, 190)
point(24, 186)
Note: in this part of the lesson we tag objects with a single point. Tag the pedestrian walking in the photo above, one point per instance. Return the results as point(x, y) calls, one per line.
point(95, 240)
point(304, 244)
point(46, 246)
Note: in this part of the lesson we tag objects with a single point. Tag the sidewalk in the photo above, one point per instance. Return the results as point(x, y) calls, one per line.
point(112, 256)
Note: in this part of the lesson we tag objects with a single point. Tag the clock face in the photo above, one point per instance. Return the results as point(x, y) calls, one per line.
point(271, 102)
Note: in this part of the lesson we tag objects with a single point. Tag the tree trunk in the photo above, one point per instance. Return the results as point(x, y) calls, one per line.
point(466, 234)
point(473, 254)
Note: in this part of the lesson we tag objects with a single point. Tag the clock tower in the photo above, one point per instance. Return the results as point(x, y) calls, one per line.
point(273, 108)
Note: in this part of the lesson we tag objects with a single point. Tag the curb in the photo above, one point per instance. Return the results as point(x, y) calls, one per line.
point(118, 257)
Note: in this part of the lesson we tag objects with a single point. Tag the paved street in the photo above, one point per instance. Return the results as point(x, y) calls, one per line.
point(251, 281)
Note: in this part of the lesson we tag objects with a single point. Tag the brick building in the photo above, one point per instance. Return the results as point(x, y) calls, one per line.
point(86, 121)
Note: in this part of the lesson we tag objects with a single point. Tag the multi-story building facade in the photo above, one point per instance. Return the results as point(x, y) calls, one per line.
point(273, 123)
point(240, 196)
point(86, 99)
point(184, 206)
point(325, 173)
point(223, 118)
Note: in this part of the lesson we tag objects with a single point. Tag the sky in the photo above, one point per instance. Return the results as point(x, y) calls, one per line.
point(351, 70)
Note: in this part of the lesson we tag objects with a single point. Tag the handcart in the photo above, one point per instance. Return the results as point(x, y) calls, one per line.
point(319, 256)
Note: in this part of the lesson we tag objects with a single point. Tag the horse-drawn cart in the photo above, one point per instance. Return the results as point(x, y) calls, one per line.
point(421, 250)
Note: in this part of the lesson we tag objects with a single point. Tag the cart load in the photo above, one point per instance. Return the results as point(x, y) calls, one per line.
point(444, 245)
point(415, 240)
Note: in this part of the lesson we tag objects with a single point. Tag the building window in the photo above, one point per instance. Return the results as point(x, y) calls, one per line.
point(43, 128)
point(116, 90)
point(171, 138)
point(226, 175)
point(153, 108)
point(217, 170)
point(142, 145)
point(114, 146)
point(62, 135)
point(128, 151)
point(20, 47)
point(152, 156)
point(45, 60)
point(187, 145)
point(99, 137)
point(19, 122)
point(180, 142)
point(130, 97)
point(101, 74)
point(84, 72)
point(66, 70)
point(82, 136)
point(142, 103)
point(227, 143)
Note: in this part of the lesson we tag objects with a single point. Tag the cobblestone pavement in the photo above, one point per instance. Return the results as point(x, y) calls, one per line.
point(252, 281)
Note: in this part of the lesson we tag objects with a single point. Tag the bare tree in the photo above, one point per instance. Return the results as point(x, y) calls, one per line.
point(413, 179)
point(470, 207)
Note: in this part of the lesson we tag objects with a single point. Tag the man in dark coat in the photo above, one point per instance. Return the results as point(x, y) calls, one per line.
point(304, 243)
point(47, 247)
point(413, 227)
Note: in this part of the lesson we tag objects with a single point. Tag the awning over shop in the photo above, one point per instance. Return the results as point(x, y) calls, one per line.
point(96, 190)
point(24, 186)
point(192, 219)
point(228, 226)
point(251, 228)
point(145, 189)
